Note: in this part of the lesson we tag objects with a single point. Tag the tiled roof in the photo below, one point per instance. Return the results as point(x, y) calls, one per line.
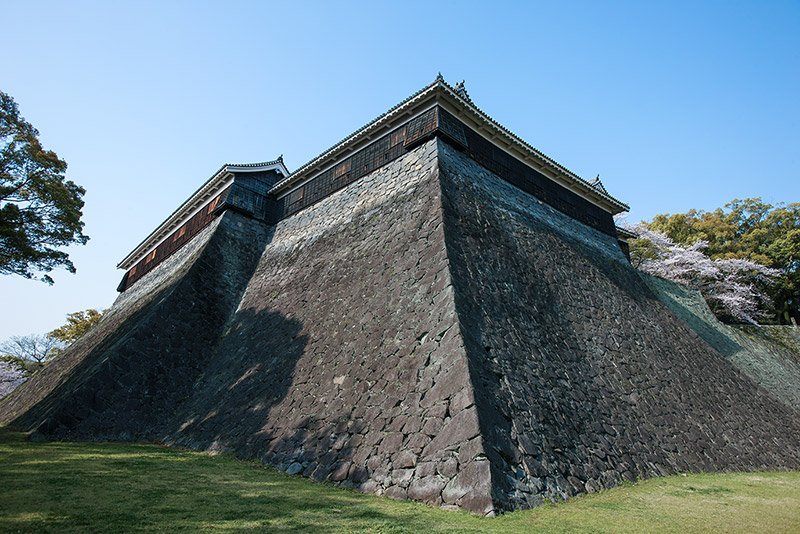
point(439, 88)
point(626, 234)
point(459, 95)
point(212, 184)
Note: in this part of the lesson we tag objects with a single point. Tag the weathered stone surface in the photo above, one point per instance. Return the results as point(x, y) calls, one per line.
point(294, 468)
point(471, 488)
point(448, 468)
point(340, 471)
point(396, 492)
point(458, 430)
point(427, 489)
point(391, 443)
point(404, 459)
point(402, 477)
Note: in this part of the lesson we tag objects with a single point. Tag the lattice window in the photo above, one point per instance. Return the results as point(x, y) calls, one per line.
point(397, 137)
point(296, 195)
point(421, 126)
point(342, 168)
point(213, 205)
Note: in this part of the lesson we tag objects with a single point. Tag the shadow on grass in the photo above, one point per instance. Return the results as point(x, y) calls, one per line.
point(72, 486)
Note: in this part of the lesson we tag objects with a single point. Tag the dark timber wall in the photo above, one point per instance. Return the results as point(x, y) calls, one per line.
point(428, 331)
point(175, 241)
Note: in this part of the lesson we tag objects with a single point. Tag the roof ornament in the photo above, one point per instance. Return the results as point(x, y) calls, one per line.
point(439, 78)
point(461, 91)
point(598, 184)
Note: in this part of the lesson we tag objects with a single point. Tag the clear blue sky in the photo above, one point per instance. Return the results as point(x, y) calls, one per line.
point(676, 105)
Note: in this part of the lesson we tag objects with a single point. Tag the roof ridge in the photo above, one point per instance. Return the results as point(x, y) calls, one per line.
point(260, 164)
point(597, 183)
point(438, 81)
point(463, 97)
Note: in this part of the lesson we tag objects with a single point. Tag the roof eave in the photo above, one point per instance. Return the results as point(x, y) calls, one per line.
point(439, 90)
point(626, 234)
point(601, 198)
point(213, 184)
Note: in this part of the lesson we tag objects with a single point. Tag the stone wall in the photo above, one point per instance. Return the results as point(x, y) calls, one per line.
point(342, 360)
point(427, 332)
point(126, 306)
point(582, 377)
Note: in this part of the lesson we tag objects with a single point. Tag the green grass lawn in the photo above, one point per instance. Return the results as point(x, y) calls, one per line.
point(80, 487)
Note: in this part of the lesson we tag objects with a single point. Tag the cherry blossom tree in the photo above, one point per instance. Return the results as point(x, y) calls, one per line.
point(30, 353)
point(11, 376)
point(733, 288)
point(22, 356)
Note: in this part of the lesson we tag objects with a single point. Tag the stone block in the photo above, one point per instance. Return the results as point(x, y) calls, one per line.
point(427, 489)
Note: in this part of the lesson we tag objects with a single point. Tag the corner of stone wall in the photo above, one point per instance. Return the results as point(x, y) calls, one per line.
point(459, 446)
point(345, 361)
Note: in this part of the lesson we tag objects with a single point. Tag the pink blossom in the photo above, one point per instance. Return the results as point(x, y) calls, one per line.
point(730, 286)
point(10, 377)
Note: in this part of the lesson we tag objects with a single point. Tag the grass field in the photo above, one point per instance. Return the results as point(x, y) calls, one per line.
point(80, 487)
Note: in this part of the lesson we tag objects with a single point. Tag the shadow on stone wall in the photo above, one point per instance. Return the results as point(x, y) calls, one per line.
point(88, 395)
point(128, 385)
point(531, 441)
point(680, 301)
point(769, 355)
point(582, 377)
point(250, 372)
point(232, 407)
